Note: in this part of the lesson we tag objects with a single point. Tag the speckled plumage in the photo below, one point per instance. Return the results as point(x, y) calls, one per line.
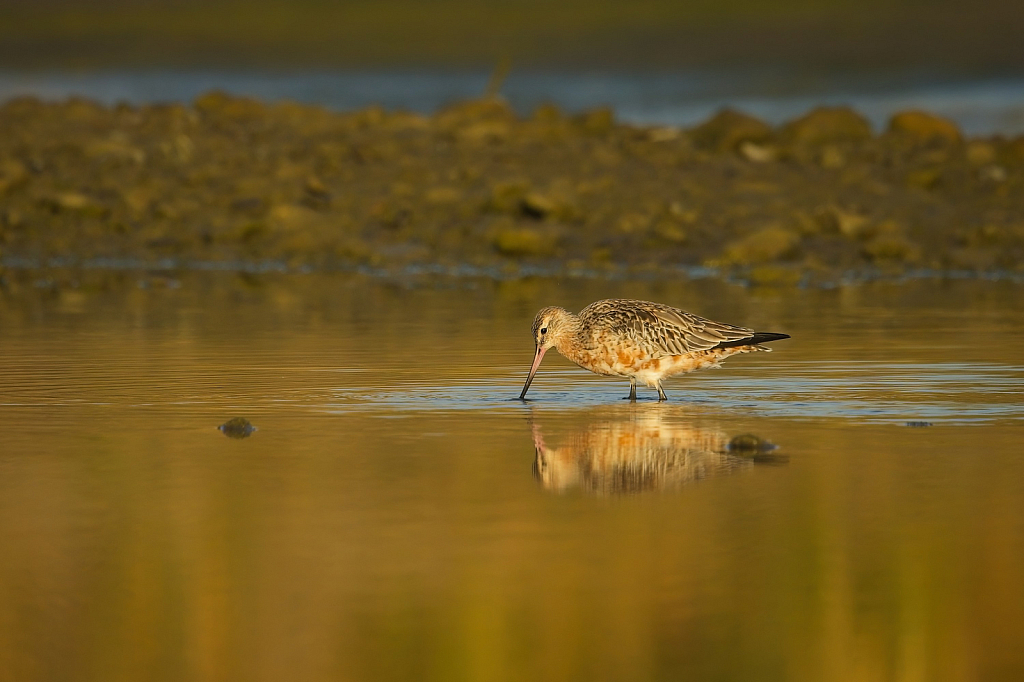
point(640, 340)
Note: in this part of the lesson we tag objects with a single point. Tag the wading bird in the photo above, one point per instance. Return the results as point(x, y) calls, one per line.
point(640, 341)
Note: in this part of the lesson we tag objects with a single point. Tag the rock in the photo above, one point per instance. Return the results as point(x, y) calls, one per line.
point(550, 205)
point(728, 129)
point(237, 427)
point(547, 113)
point(682, 214)
point(537, 205)
point(924, 127)
point(406, 120)
point(1014, 150)
point(828, 124)
point(477, 121)
point(75, 203)
point(293, 217)
point(219, 103)
point(670, 231)
point(597, 121)
point(317, 195)
point(13, 173)
point(992, 173)
point(304, 117)
point(179, 149)
point(223, 181)
point(925, 178)
point(292, 170)
point(24, 106)
point(833, 219)
point(523, 241)
point(252, 206)
point(315, 187)
point(442, 196)
point(484, 132)
point(391, 214)
point(11, 218)
point(507, 195)
point(832, 157)
point(80, 109)
point(980, 153)
point(354, 249)
point(138, 199)
point(114, 147)
point(758, 153)
point(749, 443)
point(774, 276)
point(973, 258)
point(892, 247)
point(764, 246)
point(634, 223)
point(663, 134)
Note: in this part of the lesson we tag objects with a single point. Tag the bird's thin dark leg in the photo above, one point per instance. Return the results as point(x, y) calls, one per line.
point(632, 390)
point(661, 393)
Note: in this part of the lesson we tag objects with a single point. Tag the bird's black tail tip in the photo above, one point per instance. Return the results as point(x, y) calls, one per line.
point(758, 337)
point(765, 337)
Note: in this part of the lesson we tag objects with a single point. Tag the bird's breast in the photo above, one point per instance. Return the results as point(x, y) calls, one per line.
point(610, 357)
point(624, 359)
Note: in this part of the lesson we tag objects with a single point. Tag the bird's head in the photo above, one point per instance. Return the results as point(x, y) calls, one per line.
point(550, 326)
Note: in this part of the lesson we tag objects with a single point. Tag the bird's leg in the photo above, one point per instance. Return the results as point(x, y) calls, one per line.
point(632, 389)
point(661, 393)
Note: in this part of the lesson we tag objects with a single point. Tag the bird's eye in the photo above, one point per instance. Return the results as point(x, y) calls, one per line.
point(544, 330)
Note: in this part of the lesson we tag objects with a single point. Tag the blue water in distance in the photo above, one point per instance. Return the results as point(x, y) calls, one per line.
point(981, 106)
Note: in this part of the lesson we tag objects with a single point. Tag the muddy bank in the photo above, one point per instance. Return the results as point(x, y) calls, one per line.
point(232, 179)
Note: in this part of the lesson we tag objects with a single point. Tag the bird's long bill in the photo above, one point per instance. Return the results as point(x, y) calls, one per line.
point(533, 370)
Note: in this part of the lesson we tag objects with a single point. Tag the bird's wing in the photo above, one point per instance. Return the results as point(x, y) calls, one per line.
point(659, 329)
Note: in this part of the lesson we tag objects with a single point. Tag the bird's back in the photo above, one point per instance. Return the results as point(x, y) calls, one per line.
point(658, 329)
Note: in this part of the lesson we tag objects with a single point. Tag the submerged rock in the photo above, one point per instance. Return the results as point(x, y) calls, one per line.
point(237, 427)
point(749, 442)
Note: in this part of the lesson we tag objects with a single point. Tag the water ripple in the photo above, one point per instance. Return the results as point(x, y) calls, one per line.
point(863, 391)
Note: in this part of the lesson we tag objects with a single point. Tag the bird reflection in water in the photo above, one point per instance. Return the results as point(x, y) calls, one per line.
point(644, 450)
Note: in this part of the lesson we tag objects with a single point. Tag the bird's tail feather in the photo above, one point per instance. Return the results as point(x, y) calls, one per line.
point(755, 339)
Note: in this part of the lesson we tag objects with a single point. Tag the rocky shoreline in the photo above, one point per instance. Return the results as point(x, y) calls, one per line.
point(233, 180)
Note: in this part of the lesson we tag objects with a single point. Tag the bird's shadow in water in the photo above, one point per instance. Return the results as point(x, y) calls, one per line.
point(648, 447)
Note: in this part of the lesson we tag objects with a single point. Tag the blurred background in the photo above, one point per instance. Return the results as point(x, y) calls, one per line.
point(655, 61)
point(346, 246)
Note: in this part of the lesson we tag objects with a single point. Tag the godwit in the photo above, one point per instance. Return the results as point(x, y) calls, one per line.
point(639, 340)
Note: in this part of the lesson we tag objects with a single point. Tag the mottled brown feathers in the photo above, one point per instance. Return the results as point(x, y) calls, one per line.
point(660, 329)
point(639, 340)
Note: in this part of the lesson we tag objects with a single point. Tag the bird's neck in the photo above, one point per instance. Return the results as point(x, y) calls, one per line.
point(570, 336)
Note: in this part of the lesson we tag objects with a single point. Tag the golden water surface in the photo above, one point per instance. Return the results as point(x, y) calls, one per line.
point(397, 515)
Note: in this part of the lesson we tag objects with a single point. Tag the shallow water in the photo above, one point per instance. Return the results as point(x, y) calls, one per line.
point(398, 515)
